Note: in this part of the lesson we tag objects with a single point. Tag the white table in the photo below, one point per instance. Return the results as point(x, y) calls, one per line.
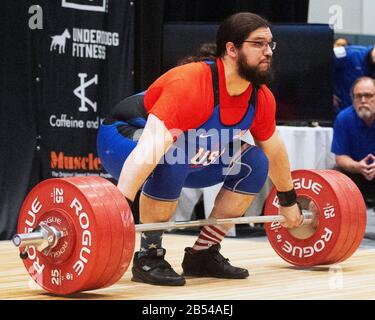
point(308, 148)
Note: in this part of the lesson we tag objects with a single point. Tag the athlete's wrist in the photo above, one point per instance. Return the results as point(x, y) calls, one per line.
point(287, 198)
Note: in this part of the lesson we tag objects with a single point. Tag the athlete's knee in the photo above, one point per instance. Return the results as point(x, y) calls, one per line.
point(249, 172)
point(113, 149)
point(258, 160)
point(166, 181)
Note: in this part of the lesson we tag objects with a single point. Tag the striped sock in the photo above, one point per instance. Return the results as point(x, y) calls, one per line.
point(209, 236)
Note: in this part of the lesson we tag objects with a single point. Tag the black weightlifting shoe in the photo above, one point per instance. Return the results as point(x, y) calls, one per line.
point(210, 263)
point(151, 268)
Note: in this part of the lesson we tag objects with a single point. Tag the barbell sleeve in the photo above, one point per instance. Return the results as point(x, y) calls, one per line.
point(28, 239)
point(42, 238)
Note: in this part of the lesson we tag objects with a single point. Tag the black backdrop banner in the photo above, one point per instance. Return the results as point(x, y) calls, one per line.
point(57, 83)
point(86, 69)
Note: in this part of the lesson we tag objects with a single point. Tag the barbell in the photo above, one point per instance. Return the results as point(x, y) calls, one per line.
point(77, 234)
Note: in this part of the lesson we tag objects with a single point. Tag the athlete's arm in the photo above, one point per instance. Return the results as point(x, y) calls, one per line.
point(152, 145)
point(279, 172)
point(279, 168)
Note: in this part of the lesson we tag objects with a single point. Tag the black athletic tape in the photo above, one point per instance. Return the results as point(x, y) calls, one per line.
point(287, 198)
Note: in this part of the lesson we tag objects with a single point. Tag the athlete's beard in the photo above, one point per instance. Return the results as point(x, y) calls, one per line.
point(253, 74)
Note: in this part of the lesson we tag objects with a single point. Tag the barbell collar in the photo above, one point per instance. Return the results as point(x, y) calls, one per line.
point(43, 238)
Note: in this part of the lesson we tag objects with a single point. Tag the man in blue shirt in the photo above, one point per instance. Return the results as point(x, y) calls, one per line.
point(350, 63)
point(354, 138)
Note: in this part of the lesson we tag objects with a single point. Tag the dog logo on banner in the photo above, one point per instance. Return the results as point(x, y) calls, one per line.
point(59, 41)
point(81, 90)
point(86, 5)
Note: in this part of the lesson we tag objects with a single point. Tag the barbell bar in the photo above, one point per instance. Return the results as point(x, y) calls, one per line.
point(42, 235)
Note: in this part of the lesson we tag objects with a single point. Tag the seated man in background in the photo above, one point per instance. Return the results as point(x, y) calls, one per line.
point(350, 63)
point(341, 42)
point(354, 138)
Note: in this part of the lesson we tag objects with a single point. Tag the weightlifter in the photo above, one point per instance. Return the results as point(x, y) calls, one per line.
point(204, 104)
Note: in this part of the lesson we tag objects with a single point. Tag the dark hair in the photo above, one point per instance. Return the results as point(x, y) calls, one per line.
point(342, 38)
point(236, 29)
point(206, 51)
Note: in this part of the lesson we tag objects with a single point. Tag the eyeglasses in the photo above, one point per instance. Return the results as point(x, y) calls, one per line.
point(359, 96)
point(263, 44)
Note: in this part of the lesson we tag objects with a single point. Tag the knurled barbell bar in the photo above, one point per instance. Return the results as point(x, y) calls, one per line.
point(78, 234)
point(45, 237)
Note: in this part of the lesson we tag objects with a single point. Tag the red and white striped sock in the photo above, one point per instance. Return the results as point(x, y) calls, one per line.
point(209, 236)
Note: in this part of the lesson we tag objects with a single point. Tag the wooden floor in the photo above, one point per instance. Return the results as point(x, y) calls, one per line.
point(270, 277)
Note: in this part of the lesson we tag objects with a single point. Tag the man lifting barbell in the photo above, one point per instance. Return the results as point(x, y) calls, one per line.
point(225, 94)
point(77, 234)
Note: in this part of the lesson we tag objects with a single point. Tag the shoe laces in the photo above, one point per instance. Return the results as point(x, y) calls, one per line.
point(220, 258)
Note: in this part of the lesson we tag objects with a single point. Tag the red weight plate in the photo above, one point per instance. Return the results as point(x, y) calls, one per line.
point(353, 216)
point(107, 255)
point(117, 230)
point(71, 266)
point(360, 213)
point(349, 220)
point(129, 231)
point(314, 249)
point(103, 225)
